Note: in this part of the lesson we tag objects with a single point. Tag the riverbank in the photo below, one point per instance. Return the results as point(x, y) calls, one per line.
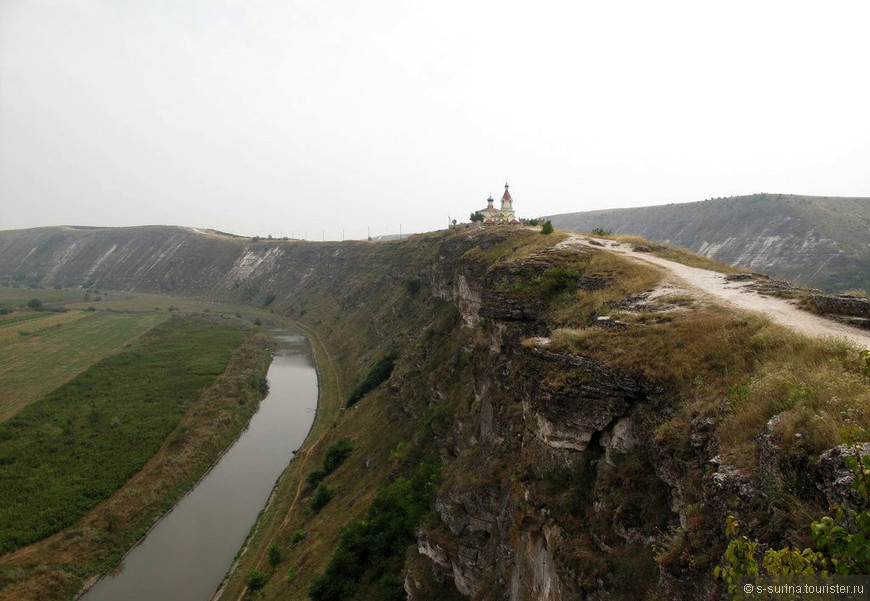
point(58, 566)
point(283, 501)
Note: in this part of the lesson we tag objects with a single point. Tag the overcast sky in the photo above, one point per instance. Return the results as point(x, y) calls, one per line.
point(306, 117)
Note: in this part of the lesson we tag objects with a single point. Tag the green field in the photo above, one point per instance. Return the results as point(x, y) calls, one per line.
point(12, 298)
point(34, 364)
point(63, 454)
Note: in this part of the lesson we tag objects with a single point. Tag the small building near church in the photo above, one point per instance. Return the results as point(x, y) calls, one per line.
point(504, 215)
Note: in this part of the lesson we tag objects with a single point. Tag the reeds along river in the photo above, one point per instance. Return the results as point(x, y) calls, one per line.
point(186, 555)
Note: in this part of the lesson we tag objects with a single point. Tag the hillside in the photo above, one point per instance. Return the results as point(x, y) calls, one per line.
point(821, 242)
point(555, 425)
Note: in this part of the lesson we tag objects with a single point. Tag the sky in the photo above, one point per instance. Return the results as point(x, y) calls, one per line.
point(335, 119)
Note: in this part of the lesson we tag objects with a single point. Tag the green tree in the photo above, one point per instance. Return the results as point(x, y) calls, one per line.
point(547, 228)
point(35, 304)
point(476, 216)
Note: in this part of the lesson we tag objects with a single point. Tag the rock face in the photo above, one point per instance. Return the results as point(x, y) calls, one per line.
point(816, 241)
point(836, 479)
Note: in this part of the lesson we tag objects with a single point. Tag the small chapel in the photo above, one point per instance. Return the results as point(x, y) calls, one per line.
point(504, 215)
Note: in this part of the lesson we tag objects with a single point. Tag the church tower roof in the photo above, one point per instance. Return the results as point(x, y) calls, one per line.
point(507, 194)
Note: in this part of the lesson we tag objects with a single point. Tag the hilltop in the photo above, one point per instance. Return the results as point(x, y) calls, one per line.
point(557, 421)
point(823, 242)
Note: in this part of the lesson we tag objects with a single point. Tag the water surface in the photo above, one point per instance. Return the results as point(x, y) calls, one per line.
point(186, 555)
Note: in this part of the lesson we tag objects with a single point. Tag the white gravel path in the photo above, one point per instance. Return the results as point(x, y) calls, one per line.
point(712, 284)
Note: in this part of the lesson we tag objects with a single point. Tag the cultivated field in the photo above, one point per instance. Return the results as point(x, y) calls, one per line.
point(40, 354)
point(40, 350)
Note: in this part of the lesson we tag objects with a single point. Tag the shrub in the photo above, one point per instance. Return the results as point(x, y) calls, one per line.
point(297, 536)
point(841, 542)
point(322, 497)
point(547, 228)
point(378, 374)
point(557, 280)
point(336, 454)
point(276, 554)
point(256, 579)
point(412, 285)
point(315, 476)
point(373, 550)
point(600, 231)
point(35, 304)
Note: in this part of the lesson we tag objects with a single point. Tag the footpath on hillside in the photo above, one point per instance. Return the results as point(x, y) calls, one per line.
point(702, 282)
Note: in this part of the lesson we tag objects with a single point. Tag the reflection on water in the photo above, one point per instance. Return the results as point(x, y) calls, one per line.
point(187, 554)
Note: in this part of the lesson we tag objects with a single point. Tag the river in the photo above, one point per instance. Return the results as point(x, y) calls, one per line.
point(185, 556)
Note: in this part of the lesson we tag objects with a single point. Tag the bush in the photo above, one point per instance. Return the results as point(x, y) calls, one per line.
point(373, 550)
point(315, 476)
point(336, 454)
point(276, 554)
point(255, 580)
point(841, 542)
point(547, 228)
point(557, 280)
point(378, 374)
point(297, 536)
point(322, 497)
point(35, 304)
point(412, 285)
point(599, 231)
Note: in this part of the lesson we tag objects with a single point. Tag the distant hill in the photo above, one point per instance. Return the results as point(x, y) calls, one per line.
point(817, 241)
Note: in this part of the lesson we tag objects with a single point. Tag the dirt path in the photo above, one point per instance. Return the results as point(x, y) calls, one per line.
point(737, 294)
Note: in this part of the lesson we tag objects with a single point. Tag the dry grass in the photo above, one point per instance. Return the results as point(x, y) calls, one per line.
point(751, 369)
point(687, 257)
point(624, 277)
point(679, 254)
point(856, 292)
point(38, 324)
